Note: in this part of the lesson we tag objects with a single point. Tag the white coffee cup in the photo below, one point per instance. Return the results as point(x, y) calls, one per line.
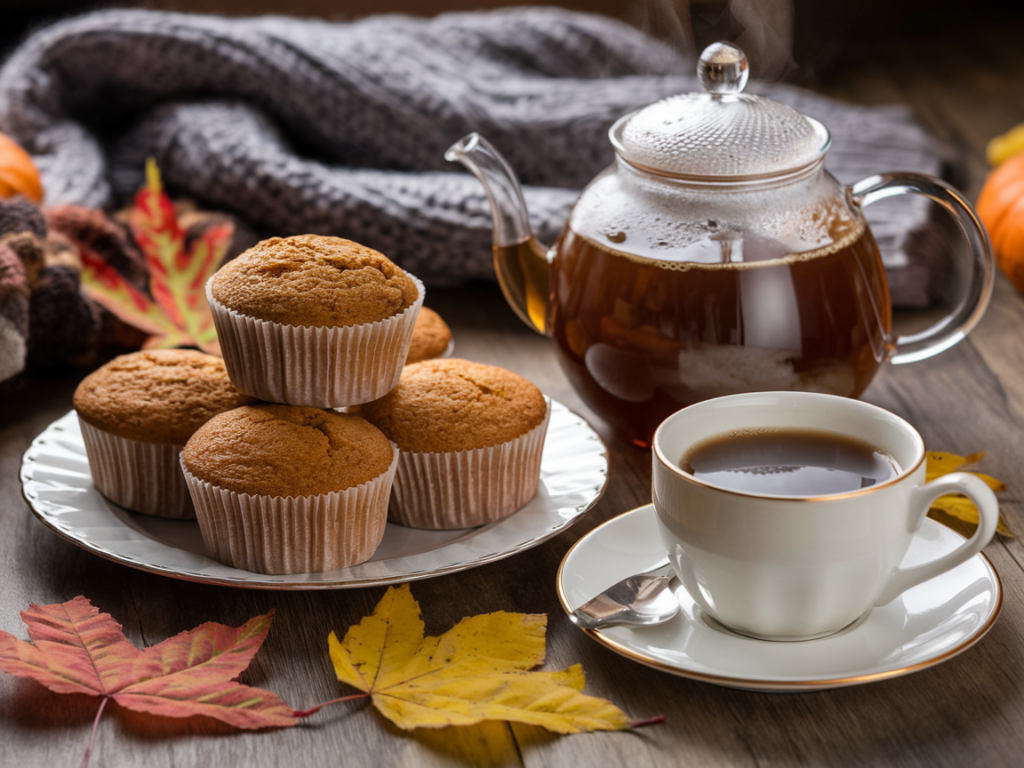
point(791, 567)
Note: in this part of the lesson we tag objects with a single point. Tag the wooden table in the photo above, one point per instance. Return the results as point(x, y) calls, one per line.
point(967, 711)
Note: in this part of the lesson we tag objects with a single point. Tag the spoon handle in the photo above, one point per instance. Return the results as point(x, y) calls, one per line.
point(617, 604)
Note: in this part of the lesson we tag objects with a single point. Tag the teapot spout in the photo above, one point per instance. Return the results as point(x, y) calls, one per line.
point(520, 261)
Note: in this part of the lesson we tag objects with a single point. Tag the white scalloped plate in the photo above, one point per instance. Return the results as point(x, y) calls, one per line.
point(59, 489)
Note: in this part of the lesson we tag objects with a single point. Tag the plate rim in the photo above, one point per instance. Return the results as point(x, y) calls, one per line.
point(776, 686)
point(260, 583)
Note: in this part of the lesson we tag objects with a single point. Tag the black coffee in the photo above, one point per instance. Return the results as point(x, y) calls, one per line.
point(789, 462)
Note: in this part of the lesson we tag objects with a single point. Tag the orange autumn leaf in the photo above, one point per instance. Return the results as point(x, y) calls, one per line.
point(962, 508)
point(478, 670)
point(177, 275)
point(77, 649)
point(177, 314)
point(106, 287)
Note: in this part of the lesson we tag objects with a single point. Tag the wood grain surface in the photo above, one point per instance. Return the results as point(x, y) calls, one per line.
point(968, 711)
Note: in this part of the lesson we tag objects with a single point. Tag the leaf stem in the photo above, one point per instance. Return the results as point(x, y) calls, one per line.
point(92, 736)
point(657, 720)
point(318, 707)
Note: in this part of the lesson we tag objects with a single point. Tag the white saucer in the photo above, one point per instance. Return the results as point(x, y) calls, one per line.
point(925, 626)
point(59, 489)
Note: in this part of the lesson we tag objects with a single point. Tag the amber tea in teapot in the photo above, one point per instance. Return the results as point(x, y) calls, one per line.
point(640, 339)
point(715, 256)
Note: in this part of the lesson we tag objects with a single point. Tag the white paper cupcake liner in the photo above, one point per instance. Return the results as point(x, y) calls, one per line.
point(464, 489)
point(143, 477)
point(315, 366)
point(293, 534)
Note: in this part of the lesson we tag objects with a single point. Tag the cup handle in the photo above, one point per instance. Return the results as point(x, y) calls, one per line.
point(922, 498)
point(955, 326)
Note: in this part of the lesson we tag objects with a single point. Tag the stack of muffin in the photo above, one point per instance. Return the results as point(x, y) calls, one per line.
point(308, 325)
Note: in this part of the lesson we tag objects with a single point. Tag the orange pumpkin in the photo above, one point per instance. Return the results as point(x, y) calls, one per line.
point(18, 174)
point(1001, 210)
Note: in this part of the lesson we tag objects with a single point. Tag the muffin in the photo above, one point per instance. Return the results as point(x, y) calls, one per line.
point(136, 414)
point(315, 321)
point(288, 489)
point(431, 338)
point(470, 436)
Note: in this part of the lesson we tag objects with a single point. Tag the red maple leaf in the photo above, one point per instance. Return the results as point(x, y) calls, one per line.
point(178, 314)
point(77, 649)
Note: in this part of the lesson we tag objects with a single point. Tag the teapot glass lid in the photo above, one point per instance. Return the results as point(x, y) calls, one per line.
point(722, 132)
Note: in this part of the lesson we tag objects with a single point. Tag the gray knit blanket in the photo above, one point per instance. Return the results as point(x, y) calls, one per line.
point(306, 126)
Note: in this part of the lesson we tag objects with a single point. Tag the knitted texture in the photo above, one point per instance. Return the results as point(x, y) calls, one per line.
point(14, 296)
point(312, 127)
point(65, 326)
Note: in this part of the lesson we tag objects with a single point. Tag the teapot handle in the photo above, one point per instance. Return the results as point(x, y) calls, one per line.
point(956, 325)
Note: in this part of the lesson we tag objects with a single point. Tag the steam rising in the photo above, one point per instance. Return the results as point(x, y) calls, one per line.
point(767, 36)
point(762, 28)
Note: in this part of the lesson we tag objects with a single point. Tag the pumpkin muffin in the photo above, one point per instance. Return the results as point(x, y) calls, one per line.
point(431, 338)
point(138, 411)
point(286, 489)
point(314, 281)
point(471, 437)
point(315, 321)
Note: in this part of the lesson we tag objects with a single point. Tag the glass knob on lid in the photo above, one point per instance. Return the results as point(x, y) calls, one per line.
point(721, 134)
point(723, 69)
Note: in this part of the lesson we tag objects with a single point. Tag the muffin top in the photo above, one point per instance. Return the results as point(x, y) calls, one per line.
point(311, 280)
point(456, 405)
point(286, 450)
point(159, 396)
point(430, 337)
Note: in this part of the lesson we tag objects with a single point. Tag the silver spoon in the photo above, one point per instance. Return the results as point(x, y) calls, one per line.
point(639, 600)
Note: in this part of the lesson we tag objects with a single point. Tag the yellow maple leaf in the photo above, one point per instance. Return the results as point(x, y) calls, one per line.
point(477, 670)
point(939, 463)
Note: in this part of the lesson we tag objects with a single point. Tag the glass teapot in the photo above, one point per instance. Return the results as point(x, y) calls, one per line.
point(716, 255)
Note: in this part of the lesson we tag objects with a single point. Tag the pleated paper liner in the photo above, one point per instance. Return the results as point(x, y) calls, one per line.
point(315, 366)
point(464, 489)
point(293, 534)
point(143, 477)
